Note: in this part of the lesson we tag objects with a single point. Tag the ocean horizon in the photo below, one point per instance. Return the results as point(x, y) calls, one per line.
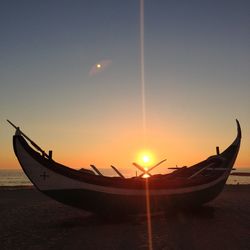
point(16, 177)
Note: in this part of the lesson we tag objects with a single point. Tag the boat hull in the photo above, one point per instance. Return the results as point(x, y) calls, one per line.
point(103, 203)
point(114, 195)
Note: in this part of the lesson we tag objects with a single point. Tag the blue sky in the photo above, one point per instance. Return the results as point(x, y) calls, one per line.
point(196, 77)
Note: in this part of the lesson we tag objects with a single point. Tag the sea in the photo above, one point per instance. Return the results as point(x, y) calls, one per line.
point(16, 177)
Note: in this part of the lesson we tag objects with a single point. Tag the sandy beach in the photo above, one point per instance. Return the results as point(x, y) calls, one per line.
point(30, 220)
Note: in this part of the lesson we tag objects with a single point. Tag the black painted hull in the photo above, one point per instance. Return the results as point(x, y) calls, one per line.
point(102, 203)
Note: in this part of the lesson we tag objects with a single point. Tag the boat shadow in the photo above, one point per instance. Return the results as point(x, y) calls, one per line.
point(204, 212)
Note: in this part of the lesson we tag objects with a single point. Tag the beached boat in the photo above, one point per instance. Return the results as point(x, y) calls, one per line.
point(185, 187)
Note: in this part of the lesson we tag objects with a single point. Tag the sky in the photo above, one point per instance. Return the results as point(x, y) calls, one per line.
point(196, 79)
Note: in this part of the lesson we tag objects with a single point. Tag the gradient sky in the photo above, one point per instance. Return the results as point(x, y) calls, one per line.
point(197, 79)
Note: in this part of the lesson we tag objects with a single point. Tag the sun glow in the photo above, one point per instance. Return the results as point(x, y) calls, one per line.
point(145, 159)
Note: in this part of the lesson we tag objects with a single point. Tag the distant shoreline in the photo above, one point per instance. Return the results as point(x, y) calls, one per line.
point(240, 174)
point(16, 179)
point(17, 187)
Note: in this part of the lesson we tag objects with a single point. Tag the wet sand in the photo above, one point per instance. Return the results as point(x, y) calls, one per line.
point(30, 220)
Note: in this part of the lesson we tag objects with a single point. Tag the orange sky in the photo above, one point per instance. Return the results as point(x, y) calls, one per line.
point(122, 145)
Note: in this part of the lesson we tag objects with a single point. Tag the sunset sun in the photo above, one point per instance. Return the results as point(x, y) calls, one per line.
point(145, 159)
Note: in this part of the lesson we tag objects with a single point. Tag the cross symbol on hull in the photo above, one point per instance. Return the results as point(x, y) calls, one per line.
point(44, 175)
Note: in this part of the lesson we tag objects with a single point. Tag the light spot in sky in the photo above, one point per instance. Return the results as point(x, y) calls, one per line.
point(99, 67)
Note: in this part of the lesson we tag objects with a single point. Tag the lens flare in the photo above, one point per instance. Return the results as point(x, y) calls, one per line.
point(99, 67)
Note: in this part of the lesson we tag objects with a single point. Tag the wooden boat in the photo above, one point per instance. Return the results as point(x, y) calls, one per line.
point(183, 188)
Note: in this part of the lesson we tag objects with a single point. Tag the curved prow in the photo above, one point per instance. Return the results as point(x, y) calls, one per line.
point(237, 140)
point(231, 152)
point(238, 129)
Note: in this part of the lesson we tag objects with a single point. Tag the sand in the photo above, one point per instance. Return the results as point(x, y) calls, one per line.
point(30, 220)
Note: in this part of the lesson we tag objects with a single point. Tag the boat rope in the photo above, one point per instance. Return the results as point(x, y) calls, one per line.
point(28, 139)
